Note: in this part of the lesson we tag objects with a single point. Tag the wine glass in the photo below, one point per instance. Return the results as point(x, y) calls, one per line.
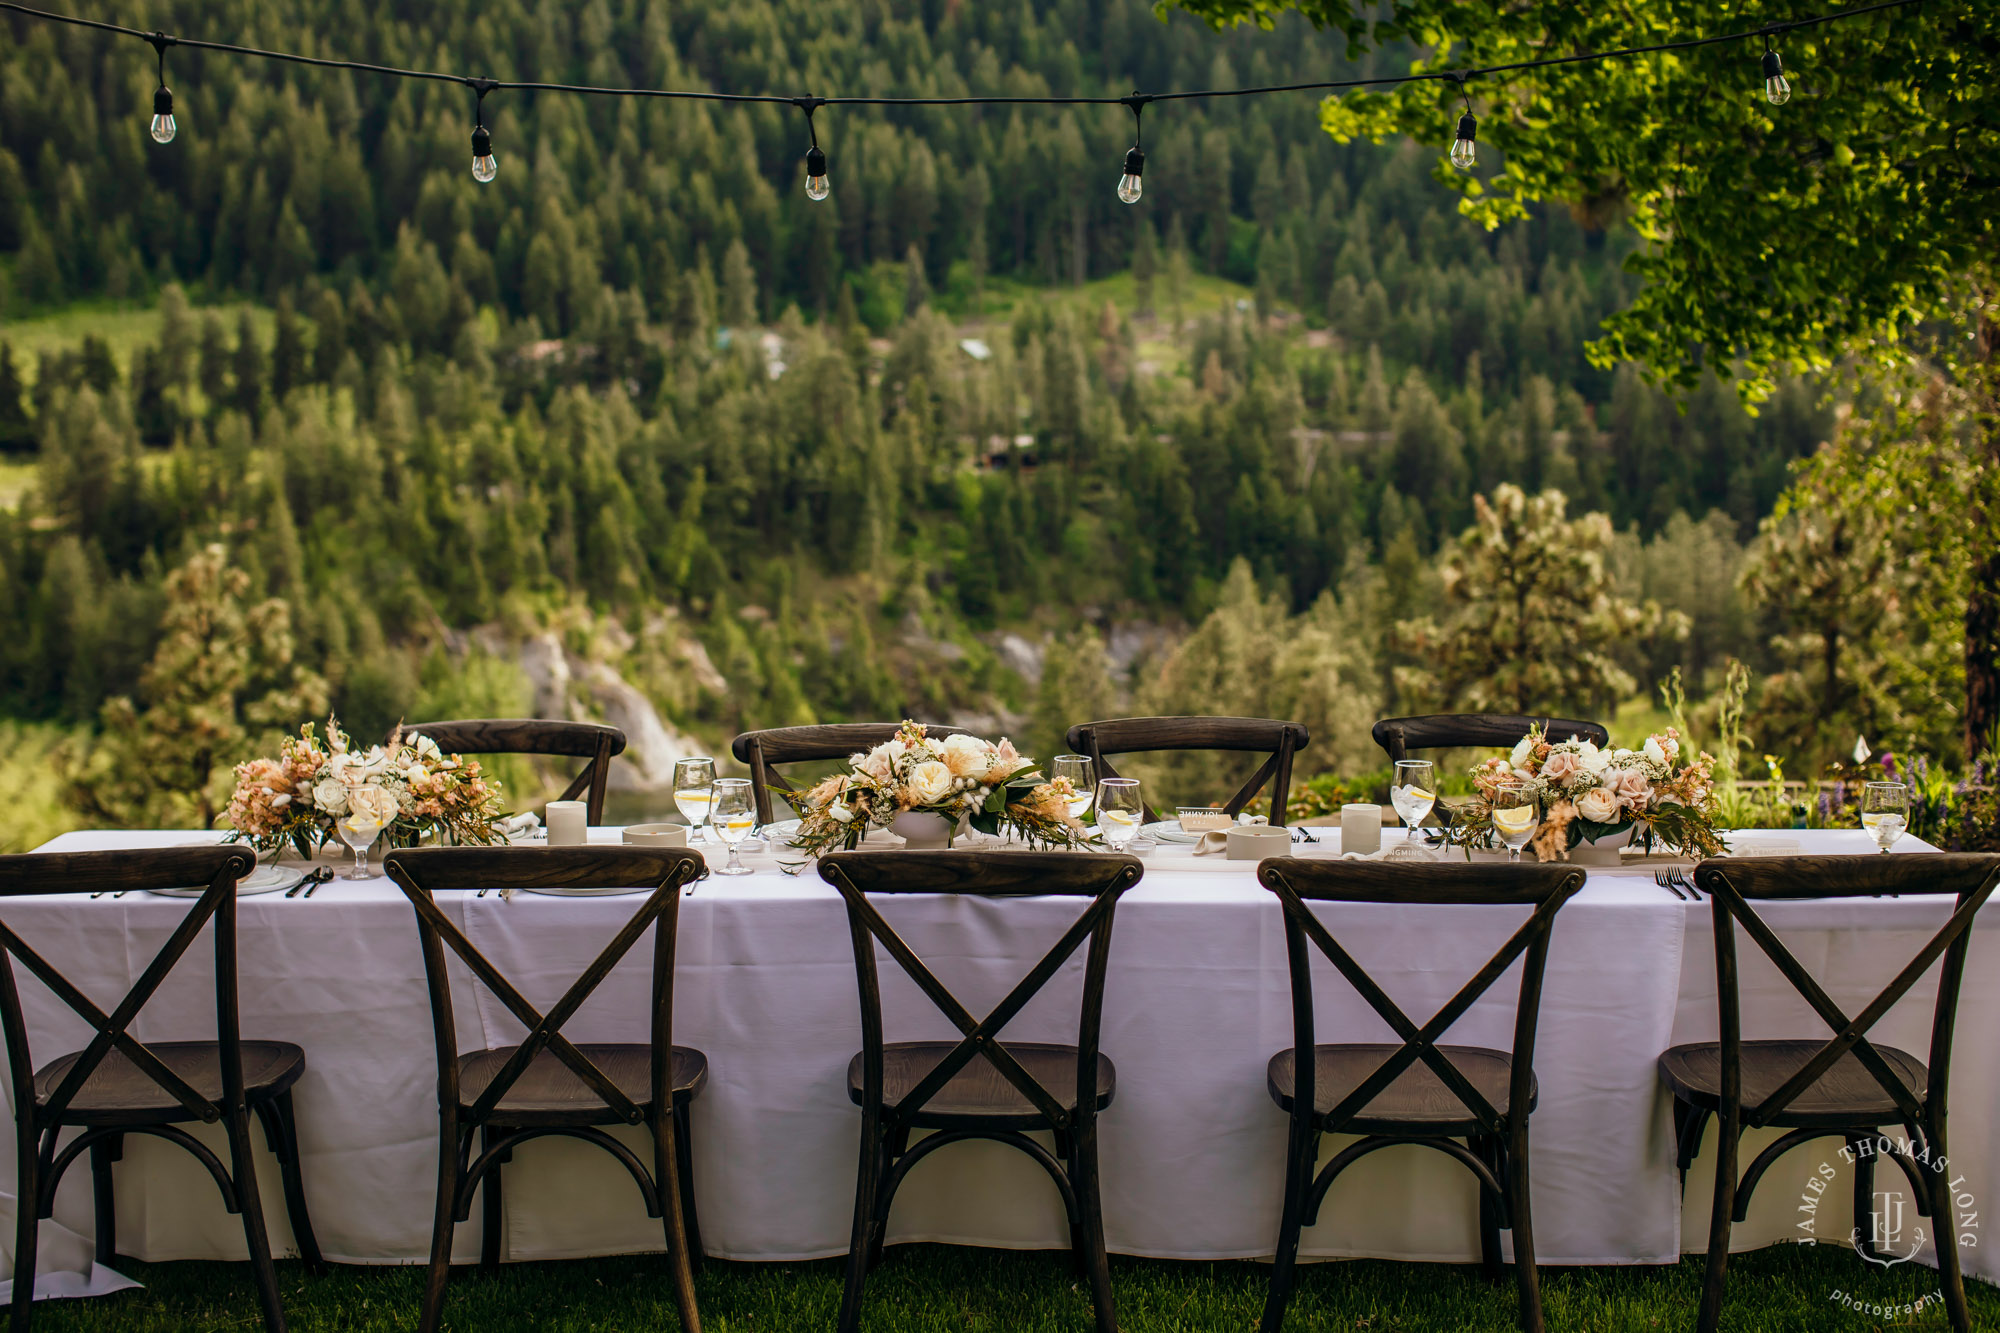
point(1120, 812)
point(1885, 812)
point(1082, 775)
point(733, 816)
point(694, 792)
point(1413, 791)
point(358, 831)
point(1516, 815)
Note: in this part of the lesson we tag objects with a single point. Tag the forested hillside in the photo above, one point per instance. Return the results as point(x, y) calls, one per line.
point(642, 391)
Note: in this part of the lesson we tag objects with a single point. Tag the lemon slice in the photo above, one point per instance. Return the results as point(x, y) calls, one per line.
point(1419, 794)
point(1122, 818)
point(1517, 820)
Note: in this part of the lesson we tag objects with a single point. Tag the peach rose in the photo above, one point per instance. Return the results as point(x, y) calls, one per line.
point(1598, 805)
point(967, 756)
point(1562, 766)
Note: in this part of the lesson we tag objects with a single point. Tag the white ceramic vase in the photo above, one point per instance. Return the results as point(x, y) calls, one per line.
point(1602, 852)
point(922, 831)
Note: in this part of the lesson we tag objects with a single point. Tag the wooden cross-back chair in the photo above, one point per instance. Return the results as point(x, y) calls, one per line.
point(980, 1087)
point(1846, 1086)
point(1458, 731)
point(1139, 735)
point(118, 1085)
point(1420, 1091)
point(547, 1085)
point(540, 736)
point(759, 750)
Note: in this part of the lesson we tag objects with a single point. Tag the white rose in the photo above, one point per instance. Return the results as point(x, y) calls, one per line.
point(967, 756)
point(841, 811)
point(1521, 750)
point(1598, 806)
point(1593, 759)
point(372, 805)
point(879, 763)
point(930, 782)
point(1653, 752)
point(330, 795)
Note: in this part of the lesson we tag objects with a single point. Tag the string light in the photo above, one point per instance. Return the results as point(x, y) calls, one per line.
point(164, 127)
point(1129, 188)
point(1776, 90)
point(817, 186)
point(484, 165)
point(1464, 153)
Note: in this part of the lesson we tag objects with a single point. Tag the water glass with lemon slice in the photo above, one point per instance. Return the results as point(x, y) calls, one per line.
point(1120, 812)
point(1517, 813)
point(1413, 792)
point(694, 792)
point(733, 817)
point(1885, 812)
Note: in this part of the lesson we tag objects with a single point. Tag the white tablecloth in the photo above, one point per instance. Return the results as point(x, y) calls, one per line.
point(1196, 1003)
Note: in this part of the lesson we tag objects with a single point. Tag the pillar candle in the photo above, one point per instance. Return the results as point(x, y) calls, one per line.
point(1360, 828)
point(568, 823)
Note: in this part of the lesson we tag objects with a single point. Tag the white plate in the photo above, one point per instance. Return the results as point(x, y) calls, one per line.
point(782, 830)
point(1169, 830)
point(264, 879)
point(566, 891)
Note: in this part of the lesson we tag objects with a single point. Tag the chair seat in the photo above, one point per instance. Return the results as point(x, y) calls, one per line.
point(119, 1092)
point(979, 1095)
point(548, 1092)
point(1418, 1101)
point(1846, 1095)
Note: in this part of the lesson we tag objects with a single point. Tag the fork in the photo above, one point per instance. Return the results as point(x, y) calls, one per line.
point(1666, 880)
point(1681, 878)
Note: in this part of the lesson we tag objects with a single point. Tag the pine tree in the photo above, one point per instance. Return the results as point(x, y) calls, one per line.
point(288, 353)
point(248, 395)
point(17, 432)
point(739, 286)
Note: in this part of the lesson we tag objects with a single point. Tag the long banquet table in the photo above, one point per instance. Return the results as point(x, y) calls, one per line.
point(1197, 1001)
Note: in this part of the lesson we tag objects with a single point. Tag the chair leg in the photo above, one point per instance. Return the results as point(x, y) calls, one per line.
point(243, 1171)
point(667, 1182)
point(1090, 1212)
point(1944, 1222)
point(895, 1144)
point(1299, 1161)
point(684, 1163)
point(492, 1208)
point(27, 1220)
point(1864, 1199)
point(441, 1224)
point(1486, 1149)
point(1526, 1276)
point(282, 1134)
point(1729, 1126)
point(102, 1154)
point(861, 1242)
point(1079, 1241)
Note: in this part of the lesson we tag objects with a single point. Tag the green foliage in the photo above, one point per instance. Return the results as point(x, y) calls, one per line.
point(221, 676)
point(1863, 568)
point(1533, 619)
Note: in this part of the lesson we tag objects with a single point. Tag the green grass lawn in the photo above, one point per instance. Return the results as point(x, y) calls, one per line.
point(938, 1289)
point(125, 328)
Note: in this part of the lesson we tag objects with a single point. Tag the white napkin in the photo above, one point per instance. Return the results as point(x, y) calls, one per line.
point(1217, 839)
point(521, 828)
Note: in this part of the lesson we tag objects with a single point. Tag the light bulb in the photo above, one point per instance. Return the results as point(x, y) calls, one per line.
point(1129, 187)
point(1464, 154)
point(484, 165)
point(817, 187)
point(163, 116)
point(1776, 91)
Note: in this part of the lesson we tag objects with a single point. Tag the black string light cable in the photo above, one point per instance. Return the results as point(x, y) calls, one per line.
point(485, 166)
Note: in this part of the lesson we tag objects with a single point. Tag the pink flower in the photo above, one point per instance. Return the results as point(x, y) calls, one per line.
point(1562, 766)
point(1630, 786)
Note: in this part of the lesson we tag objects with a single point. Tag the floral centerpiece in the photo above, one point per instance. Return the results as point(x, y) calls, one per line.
point(412, 788)
point(943, 783)
point(1604, 798)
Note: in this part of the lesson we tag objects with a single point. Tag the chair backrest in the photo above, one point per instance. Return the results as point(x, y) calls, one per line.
point(531, 735)
point(1544, 888)
point(759, 750)
point(218, 868)
point(1101, 878)
point(1734, 885)
point(423, 872)
point(1453, 731)
point(1138, 735)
